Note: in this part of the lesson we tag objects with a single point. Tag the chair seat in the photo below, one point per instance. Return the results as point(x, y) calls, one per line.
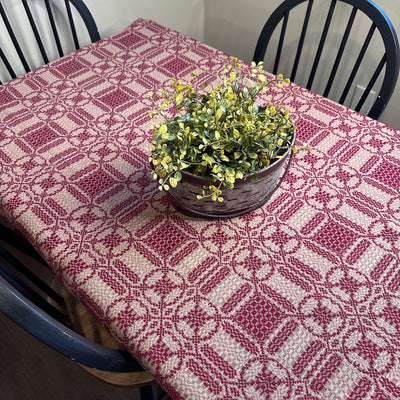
point(83, 322)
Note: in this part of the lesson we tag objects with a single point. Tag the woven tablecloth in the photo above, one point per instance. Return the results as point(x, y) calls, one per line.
point(299, 299)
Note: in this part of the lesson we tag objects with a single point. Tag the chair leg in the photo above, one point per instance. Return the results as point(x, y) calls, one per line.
point(164, 396)
point(146, 392)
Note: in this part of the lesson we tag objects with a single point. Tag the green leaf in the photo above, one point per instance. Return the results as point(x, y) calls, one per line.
point(173, 182)
point(179, 99)
point(178, 175)
point(254, 177)
point(170, 136)
point(218, 114)
point(227, 184)
point(209, 160)
point(223, 157)
point(204, 116)
point(216, 168)
point(239, 175)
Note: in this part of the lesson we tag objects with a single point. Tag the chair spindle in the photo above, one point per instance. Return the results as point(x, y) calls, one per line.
point(14, 39)
point(301, 41)
point(321, 44)
point(371, 83)
point(357, 64)
point(280, 44)
point(340, 52)
point(72, 24)
point(7, 64)
point(54, 29)
point(35, 32)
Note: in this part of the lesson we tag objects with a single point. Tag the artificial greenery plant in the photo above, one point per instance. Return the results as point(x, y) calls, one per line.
point(218, 132)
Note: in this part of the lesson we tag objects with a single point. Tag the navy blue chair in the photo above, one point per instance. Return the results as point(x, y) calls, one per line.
point(39, 31)
point(28, 298)
point(332, 62)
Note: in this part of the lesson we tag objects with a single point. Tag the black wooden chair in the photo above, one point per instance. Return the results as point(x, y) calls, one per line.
point(30, 299)
point(39, 31)
point(321, 49)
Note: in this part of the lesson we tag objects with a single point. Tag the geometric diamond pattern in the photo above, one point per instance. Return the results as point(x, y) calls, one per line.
point(115, 98)
point(41, 137)
point(336, 237)
point(95, 183)
point(130, 40)
point(260, 317)
point(388, 173)
point(169, 238)
point(176, 66)
point(70, 66)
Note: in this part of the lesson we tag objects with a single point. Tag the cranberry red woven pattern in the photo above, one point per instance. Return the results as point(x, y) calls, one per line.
point(297, 300)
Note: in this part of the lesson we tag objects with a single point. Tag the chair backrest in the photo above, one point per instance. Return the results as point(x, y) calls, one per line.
point(35, 32)
point(347, 52)
point(29, 299)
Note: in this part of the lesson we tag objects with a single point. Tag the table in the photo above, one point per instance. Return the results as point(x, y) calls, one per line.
point(299, 299)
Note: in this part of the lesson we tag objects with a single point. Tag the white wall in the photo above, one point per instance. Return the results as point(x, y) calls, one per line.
point(233, 26)
point(185, 16)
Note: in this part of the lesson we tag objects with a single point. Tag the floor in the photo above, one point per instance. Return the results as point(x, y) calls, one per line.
point(29, 370)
